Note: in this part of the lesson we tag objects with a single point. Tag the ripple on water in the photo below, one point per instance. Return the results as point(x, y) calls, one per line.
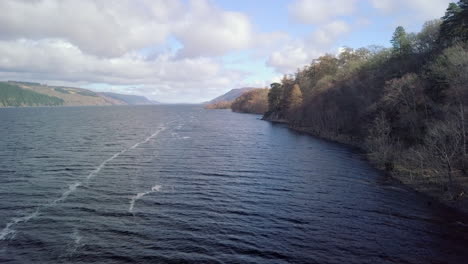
point(178, 184)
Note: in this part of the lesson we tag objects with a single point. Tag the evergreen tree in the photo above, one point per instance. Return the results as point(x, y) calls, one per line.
point(274, 96)
point(400, 41)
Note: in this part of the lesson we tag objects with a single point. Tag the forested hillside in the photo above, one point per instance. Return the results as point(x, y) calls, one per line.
point(13, 95)
point(254, 101)
point(129, 99)
point(224, 101)
point(17, 93)
point(405, 105)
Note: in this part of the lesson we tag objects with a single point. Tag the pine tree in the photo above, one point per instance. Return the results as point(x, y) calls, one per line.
point(400, 41)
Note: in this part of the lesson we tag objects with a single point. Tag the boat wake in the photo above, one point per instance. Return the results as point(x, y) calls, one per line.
point(138, 196)
point(8, 232)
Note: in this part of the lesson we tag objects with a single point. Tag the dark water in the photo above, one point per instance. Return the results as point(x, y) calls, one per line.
point(179, 184)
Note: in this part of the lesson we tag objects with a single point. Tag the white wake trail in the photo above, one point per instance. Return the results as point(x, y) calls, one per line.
point(76, 241)
point(8, 232)
point(148, 138)
point(103, 164)
point(138, 196)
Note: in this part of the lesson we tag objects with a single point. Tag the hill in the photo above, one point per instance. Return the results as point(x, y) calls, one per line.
point(224, 101)
point(231, 95)
point(129, 99)
point(70, 96)
point(254, 102)
point(15, 93)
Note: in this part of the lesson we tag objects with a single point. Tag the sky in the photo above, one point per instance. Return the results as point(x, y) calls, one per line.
point(189, 51)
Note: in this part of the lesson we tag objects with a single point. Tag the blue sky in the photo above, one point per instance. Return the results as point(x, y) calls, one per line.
point(189, 50)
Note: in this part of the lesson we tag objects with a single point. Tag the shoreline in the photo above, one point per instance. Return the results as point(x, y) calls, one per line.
point(432, 191)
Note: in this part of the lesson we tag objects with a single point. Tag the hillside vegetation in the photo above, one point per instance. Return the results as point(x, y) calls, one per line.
point(13, 95)
point(254, 101)
point(129, 99)
point(219, 105)
point(405, 105)
point(224, 101)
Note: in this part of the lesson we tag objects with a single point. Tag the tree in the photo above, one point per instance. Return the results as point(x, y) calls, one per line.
point(379, 143)
point(405, 102)
point(274, 96)
point(452, 27)
point(400, 41)
point(295, 98)
point(451, 69)
point(426, 40)
point(444, 143)
point(254, 101)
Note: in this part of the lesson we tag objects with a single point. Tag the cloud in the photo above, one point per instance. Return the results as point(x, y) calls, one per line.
point(384, 5)
point(299, 53)
point(94, 26)
point(329, 33)
point(319, 11)
point(420, 10)
point(54, 59)
point(112, 30)
point(209, 31)
point(124, 45)
point(293, 56)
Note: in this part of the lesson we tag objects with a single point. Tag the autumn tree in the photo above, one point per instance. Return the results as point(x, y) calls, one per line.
point(295, 97)
point(254, 101)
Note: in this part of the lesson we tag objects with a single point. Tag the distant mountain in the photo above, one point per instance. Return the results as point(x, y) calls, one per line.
point(130, 99)
point(14, 93)
point(228, 97)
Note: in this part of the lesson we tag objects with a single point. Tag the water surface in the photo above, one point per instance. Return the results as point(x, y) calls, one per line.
point(180, 184)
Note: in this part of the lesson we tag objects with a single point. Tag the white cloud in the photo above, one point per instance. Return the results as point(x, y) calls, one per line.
point(299, 53)
point(384, 5)
point(329, 33)
point(291, 57)
point(318, 11)
point(94, 26)
point(53, 59)
point(94, 41)
point(420, 10)
point(209, 31)
point(112, 30)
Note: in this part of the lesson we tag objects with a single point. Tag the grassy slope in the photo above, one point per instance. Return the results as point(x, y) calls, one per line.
point(14, 95)
point(69, 95)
